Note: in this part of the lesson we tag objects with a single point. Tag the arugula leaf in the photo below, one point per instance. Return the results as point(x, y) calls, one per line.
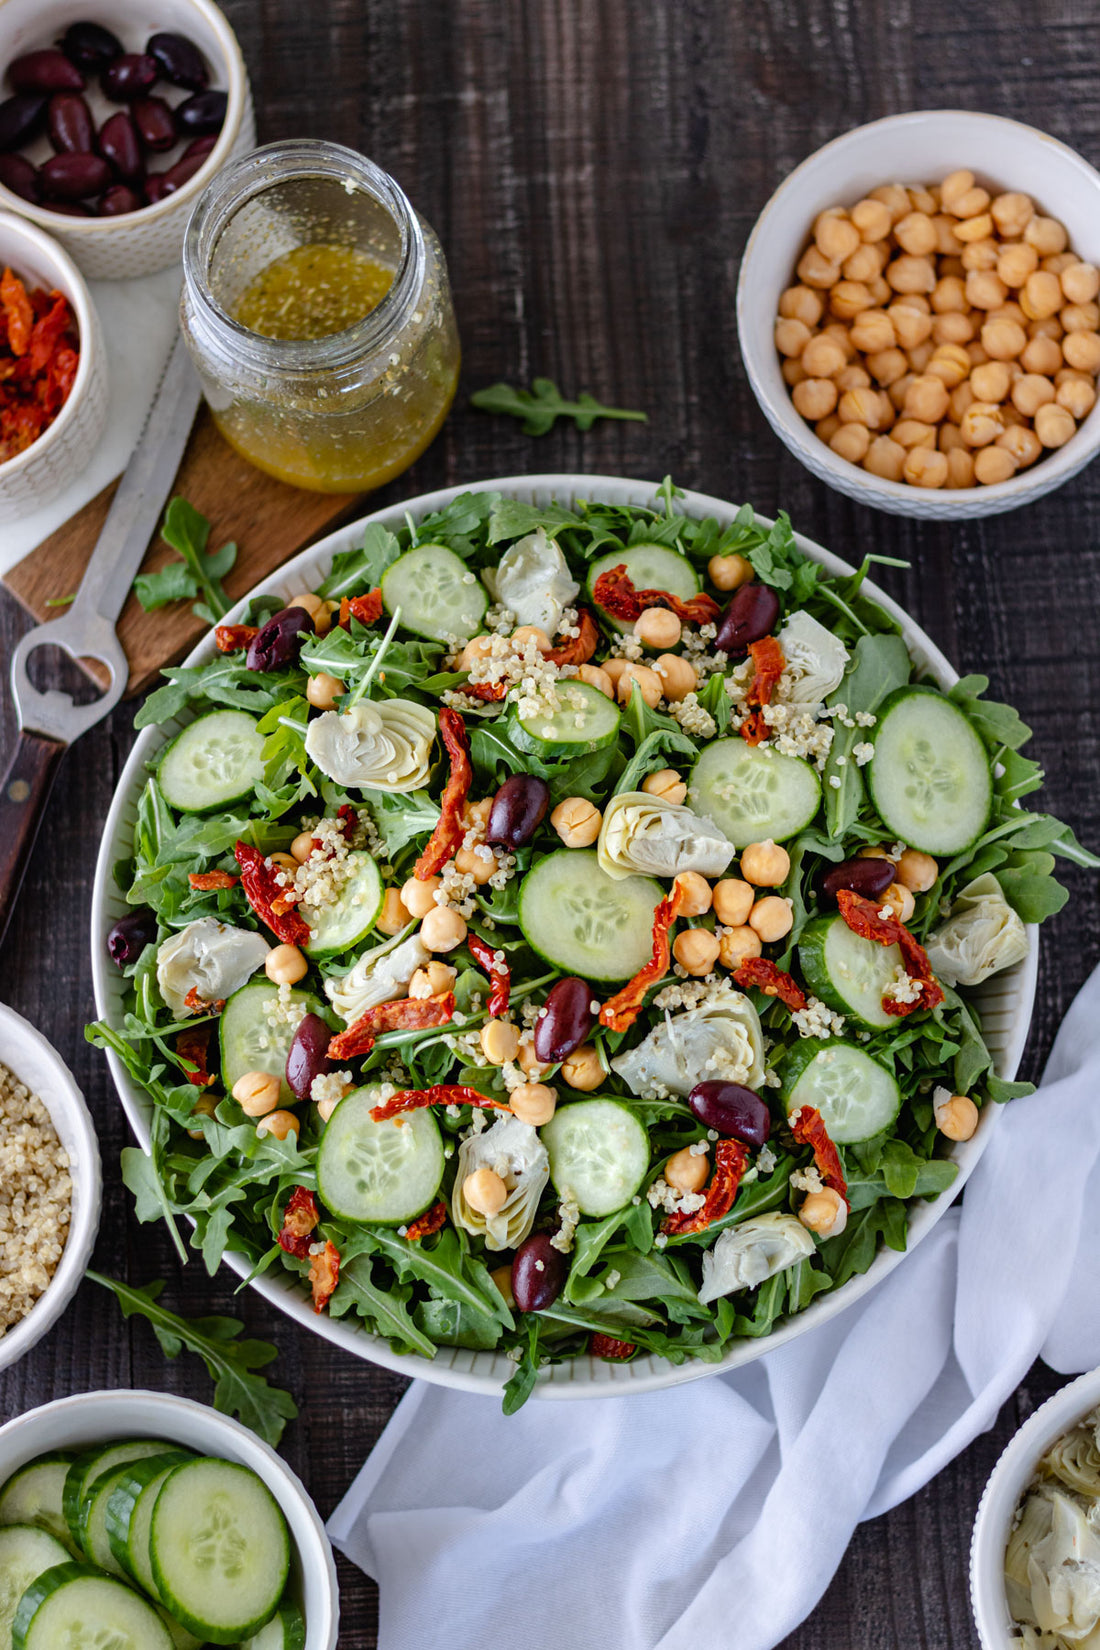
point(401, 816)
point(511, 519)
point(542, 405)
point(660, 743)
point(879, 664)
point(230, 1362)
point(354, 572)
point(386, 1309)
point(284, 729)
point(224, 681)
point(199, 573)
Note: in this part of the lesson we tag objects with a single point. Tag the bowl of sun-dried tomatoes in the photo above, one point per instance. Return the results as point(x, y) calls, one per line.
point(53, 373)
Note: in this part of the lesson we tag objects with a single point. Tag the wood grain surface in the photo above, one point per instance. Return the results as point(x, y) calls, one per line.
point(593, 168)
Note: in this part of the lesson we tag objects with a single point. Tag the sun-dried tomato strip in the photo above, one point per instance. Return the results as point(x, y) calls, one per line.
point(578, 649)
point(446, 839)
point(730, 1161)
point(865, 918)
point(409, 1014)
point(614, 591)
point(611, 1350)
point(767, 656)
point(195, 1004)
point(500, 975)
point(349, 820)
point(231, 638)
point(324, 1275)
point(272, 903)
point(192, 1045)
point(440, 1094)
point(300, 1218)
point(809, 1130)
point(431, 1221)
point(367, 609)
point(620, 1011)
point(18, 312)
point(772, 981)
point(205, 880)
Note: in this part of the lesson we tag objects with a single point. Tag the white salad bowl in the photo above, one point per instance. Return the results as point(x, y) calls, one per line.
point(1005, 1002)
point(88, 1418)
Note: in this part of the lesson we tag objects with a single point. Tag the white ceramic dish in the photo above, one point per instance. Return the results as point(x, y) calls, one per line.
point(1007, 1483)
point(28, 1055)
point(1006, 1004)
point(89, 1418)
point(140, 242)
point(921, 147)
point(61, 452)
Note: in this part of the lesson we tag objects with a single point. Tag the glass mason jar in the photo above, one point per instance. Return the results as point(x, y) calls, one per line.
point(341, 413)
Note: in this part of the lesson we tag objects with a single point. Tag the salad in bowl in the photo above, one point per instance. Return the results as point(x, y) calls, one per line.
point(557, 934)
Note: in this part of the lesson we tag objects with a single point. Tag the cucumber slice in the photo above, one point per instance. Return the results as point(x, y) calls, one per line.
point(930, 777)
point(848, 972)
point(33, 1495)
point(77, 1607)
point(599, 1154)
point(438, 595)
point(857, 1098)
point(213, 762)
point(650, 567)
point(350, 918)
point(752, 793)
point(92, 1465)
point(220, 1549)
point(112, 1509)
point(385, 1173)
point(585, 720)
point(285, 1631)
point(585, 922)
point(26, 1552)
point(249, 1042)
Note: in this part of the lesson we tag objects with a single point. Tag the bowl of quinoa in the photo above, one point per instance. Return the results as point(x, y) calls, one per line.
point(50, 1186)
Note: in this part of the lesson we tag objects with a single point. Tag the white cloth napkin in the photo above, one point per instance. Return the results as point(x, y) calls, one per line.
point(653, 1522)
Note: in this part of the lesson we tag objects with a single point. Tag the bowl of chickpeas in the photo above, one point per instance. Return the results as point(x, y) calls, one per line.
point(919, 313)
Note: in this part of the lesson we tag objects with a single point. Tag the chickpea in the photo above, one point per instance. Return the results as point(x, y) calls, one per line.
point(791, 337)
point(732, 901)
point(848, 298)
point(687, 1171)
point(977, 228)
point(894, 197)
point(302, 847)
point(285, 862)
point(993, 465)
point(577, 822)
point(839, 335)
point(1042, 355)
point(836, 236)
point(949, 296)
point(729, 572)
point(772, 917)
point(956, 1117)
point(667, 784)
point(737, 945)
point(314, 606)
point(900, 900)
point(909, 274)
point(1031, 392)
point(475, 815)
point(1041, 295)
point(442, 929)
point(1082, 351)
point(1012, 212)
point(880, 291)
point(1046, 235)
point(597, 678)
point(865, 264)
point(816, 270)
point(925, 467)
point(851, 442)
point(873, 218)
point(485, 1192)
point(279, 1124)
point(257, 1092)
point(981, 424)
point(823, 356)
point(1078, 397)
point(323, 690)
point(916, 233)
point(765, 864)
point(1050, 328)
point(478, 647)
point(325, 1108)
point(432, 980)
point(978, 355)
point(534, 1103)
point(206, 1105)
point(860, 407)
point(1058, 261)
point(678, 677)
point(921, 200)
point(985, 289)
point(394, 913)
point(1080, 282)
point(285, 965)
point(885, 459)
point(479, 863)
point(528, 1061)
point(528, 633)
point(960, 468)
point(1080, 317)
point(955, 187)
point(696, 894)
point(824, 1213)
point(583, 1069)
point(1054, 425)
point(991, 382)
point(972, 203)
point(657, 628)
point(872, 330)
point(799, 303)
point(696, 950)
point(913, 432)
point(978, 255)
point(1022, 443)
point(649, 684)
point(917, 871)
point(926, 397)
point(949, 436)
point(418, 898)
point(793, 372)
point(876, 850)
point(502, 1279)
point(614, 668)
point(1016, 263)
point(849, 378)
point(911, 326)
point(920, 357)
point(897, 391)
point(888, 365)
point(952, 329)
point(947, 242)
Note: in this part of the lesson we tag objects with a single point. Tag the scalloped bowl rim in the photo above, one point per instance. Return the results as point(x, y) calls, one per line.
point(485, 1372)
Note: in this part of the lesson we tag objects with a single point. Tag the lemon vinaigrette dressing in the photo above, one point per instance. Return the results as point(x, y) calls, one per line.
point(317, 310)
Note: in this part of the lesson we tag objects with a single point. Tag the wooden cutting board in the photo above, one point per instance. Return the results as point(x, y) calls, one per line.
point(269, 521)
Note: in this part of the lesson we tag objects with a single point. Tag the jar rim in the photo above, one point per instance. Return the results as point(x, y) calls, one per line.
point(255, 174)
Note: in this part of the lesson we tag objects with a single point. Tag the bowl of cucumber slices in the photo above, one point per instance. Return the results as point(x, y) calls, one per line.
point(579, 934)
point(140, 1518)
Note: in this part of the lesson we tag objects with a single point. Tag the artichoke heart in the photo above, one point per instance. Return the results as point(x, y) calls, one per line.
point(747, 1255)
point(514, 1151)
point(1075, 1460)
point(210, 958)
point(1063, 1572)
point(379, 976)
point(533, 581)
point(815, 662)
point(721, 1038)
point(381, 745)
point(982, 935)
point(643, 834)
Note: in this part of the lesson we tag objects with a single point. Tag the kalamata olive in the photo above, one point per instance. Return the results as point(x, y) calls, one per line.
point(20, 118)
point(129, 76)
point(205, 112)
point(565, 1020)
point(74, 177)
point(750, 615)
point(538, 1273)
point(69, 121)
point(45, 71)
point(277, 642)
point(90, 46)
point(733, 1110)
point(201, 146)
point(869, 877)
point(20, 177)
point(183, 171)
point(118, 143)
point(519, 808)
point(307, 1057)
point(156, 188)
point(130, 935)
point(71, 209)
point(179, 60)
point(153, 119)
point(118, 200)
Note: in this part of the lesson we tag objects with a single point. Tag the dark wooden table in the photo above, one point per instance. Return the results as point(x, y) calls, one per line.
point(593, 168)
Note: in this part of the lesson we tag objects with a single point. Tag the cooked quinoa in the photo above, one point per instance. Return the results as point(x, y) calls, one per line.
point(35, 1199)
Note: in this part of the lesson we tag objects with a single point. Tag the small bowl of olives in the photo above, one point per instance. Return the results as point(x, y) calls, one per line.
point(113, 119)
